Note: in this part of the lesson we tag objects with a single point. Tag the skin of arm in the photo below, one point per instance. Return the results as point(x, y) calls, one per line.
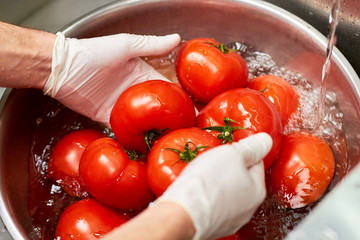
point(163, 221)
point(25, 56)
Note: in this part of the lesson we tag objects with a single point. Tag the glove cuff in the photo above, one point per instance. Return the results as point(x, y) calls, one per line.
point(50, 87)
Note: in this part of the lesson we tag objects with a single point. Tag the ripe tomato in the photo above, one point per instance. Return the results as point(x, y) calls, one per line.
point(303, 171)
point(206, 68)
point(172, 152)
point(87, 219)
point(280, 92)
point(235, 236)
point(112, 178)
point(146, 109)
point(63, 166)
point(245, 108)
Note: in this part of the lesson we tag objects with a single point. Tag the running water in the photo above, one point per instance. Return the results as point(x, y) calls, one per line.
point(333, 21)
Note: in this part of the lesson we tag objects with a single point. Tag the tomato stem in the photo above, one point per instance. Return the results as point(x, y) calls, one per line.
point(226, 132)
point(264, 89)
point(187, 155)
point(222, 48)
point(151, 136)
point(133, 155)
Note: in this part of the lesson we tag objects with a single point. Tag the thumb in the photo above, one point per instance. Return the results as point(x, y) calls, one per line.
point(254, 148)
point(152, 45)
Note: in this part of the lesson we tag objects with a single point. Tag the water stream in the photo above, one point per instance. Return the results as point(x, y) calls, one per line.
point(333, 21)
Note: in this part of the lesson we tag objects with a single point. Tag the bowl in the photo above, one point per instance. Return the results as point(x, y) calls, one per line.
point(290, 41)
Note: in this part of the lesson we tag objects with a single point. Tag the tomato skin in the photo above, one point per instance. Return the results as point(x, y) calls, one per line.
point(252, 110)
point(303, 171)
point(63, 165)
point(280, 92)
point(112, 178)
point(150, 105)
point(164, 166)
point(235, 236)
point(87, 219)
point(204, 71)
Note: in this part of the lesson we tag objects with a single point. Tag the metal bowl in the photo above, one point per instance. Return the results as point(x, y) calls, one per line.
point(291, 42)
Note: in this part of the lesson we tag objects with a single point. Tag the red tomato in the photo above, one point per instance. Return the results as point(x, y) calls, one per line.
point(112, 178)
point(87, 219)
point(248, 109)
point(63, 166)
point(280, 92)
point(146, 109)
point(206, 68)
point(235, 236)
point(172, 152)
point(303, 171)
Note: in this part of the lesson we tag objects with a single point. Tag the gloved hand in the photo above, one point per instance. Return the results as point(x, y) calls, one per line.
point(88, 75)
point(222, 188)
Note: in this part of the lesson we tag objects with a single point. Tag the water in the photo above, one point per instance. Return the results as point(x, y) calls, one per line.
point(47, 201)
point(270, 221)
point(333, 21)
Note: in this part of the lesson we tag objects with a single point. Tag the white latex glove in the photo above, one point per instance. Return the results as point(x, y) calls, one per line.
point(222, 188)
point(88, 75)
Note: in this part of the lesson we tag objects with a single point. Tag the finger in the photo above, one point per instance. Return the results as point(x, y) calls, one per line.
point(257, 174)
point(153, 45)
point(254, 148)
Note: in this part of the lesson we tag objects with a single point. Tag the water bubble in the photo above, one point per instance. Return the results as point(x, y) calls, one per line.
point(331, 97)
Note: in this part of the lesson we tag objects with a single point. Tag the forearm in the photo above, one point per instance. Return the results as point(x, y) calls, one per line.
point(25, 56)
point(165, 220)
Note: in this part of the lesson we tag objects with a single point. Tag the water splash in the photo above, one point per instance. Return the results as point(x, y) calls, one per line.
point(333, 21)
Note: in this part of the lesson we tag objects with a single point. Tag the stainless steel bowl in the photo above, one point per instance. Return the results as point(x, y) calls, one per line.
point(316, 13)
point(289, 40)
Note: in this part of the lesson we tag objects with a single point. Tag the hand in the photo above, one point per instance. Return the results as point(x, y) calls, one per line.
point(222, 188)
point(88, 75)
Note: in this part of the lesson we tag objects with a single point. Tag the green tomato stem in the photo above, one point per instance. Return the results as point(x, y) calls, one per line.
point(226, 132)
point(222, 48)
point(133, 155)
point(151, 136)
point(187, 155)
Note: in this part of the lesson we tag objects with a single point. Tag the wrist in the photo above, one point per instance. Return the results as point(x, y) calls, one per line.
point(45, 44)
point(178, 219)
point(26, 56)
point(162, 221)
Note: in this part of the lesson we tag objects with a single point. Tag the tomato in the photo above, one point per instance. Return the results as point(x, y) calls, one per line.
point(243, 108)
point(112, 177)
point(63, 165)
point(303, 171)
point(206, 68)
point(235, 236)
point(148, 109)
point(172, 152)
point(280, 92)
point(87, 219)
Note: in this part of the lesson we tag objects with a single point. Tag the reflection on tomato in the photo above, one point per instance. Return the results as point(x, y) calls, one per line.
point(87, 219)
point(172, 152)
point(145, 110)
point(206, 68)
point(303, 171)
point(247, 108)
point(63, 166)
point(112, 177)
point(280, 92)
